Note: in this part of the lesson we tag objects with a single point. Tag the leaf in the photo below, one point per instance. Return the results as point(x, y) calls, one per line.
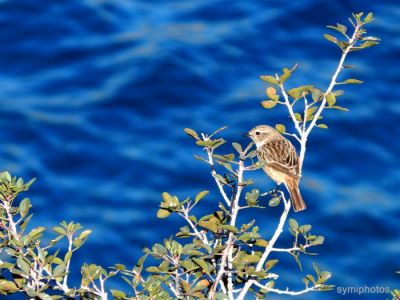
point(191, 133)
point(274, 201)
point(269, 79)
point(281, 128)
point(298, 117)
point(23, 265)
point(270, 264)
point(331, 38)
point(229, 228)
point(331, 99)
point(200, 196)
point(209, 225)
point(317, 95)
point(204, 266)
point(8, 286)
point(59, 230)
point(310, 113)
point(324, 276)
point(319, 240)
point(287, 73)
point(261, 243)
point(163, 213)
point(85, 234)
point(268, 104)
point(369, 18)
point(339, 27)
point(153, 269)
point(59, 270)
point(353, 81)
point(118, 294)
point(271, 93)
point(293, 224)
point(323, 126)
point(237, 147)
point(170, 200)
point(368, 44)
point(340, 108)
point(24, 207)
point(201, 285)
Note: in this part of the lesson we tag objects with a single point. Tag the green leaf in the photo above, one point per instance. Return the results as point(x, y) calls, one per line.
point(331, 99)
point(318, 240)
point(368, 44)
point(340, 108)
point(24, 207)
point(200, 196)
point(261, 243)
point(269, 79)
point(324, 276)
point(281, 128)
point(293, 224)
point(369, 18)
point(59, 270)
point(201, 285)
point(310, 113)
point(118, 294)
point(339, 27)
point(8, 286)
point(209, 225)
point(323, 126)
point(274, 201)
point(268, 104)
point(153, 270)
point(59, 230)
point(270, 264)
point(271, 93)
point(331, 38)
point(229, 228)
point(317, 95)
point(191, 133)
point(353, 81)
point(170, 200)
point(204, 266)
point(237, 147)
point(298, 117)
point(85, 234)
point(163, 213)
point(23, 265)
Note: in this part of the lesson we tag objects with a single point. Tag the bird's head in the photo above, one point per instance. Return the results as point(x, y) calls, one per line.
point(260, 134)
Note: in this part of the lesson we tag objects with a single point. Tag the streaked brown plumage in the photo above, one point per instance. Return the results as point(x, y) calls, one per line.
point(282, 161)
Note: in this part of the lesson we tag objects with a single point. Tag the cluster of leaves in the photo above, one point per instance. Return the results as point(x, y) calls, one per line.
point(27, 266)
point(313, 96)
point(188, 265)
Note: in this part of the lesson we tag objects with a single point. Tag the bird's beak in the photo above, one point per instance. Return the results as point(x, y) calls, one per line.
point(246, 134)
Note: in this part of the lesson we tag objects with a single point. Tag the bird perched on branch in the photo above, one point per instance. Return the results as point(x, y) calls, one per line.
point(282, 162)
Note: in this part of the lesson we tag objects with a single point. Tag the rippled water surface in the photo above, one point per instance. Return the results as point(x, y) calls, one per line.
point(95, 94)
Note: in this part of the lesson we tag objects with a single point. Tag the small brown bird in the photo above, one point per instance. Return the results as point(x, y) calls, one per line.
point(282, 162)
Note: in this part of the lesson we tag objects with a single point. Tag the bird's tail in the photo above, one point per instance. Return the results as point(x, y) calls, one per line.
point(292, 185)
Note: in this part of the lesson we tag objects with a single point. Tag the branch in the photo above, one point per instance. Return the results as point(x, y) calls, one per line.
point(201, 236)
point(269, 247)
point(287, 292)
point(213, 173)
point(289, 107)
point(65, 281)
point(332, 84)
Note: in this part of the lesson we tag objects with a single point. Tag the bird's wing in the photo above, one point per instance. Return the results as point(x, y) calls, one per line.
point(280, 155)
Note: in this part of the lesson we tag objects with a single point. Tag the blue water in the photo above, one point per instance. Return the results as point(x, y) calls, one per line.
point(95, 94)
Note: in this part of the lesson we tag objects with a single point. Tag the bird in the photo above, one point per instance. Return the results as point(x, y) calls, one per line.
point(281, 159)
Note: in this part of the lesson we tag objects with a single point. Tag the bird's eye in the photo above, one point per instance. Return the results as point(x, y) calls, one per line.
point(257, 133)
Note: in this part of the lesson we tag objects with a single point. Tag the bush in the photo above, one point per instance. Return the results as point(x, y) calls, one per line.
point(212, 256)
